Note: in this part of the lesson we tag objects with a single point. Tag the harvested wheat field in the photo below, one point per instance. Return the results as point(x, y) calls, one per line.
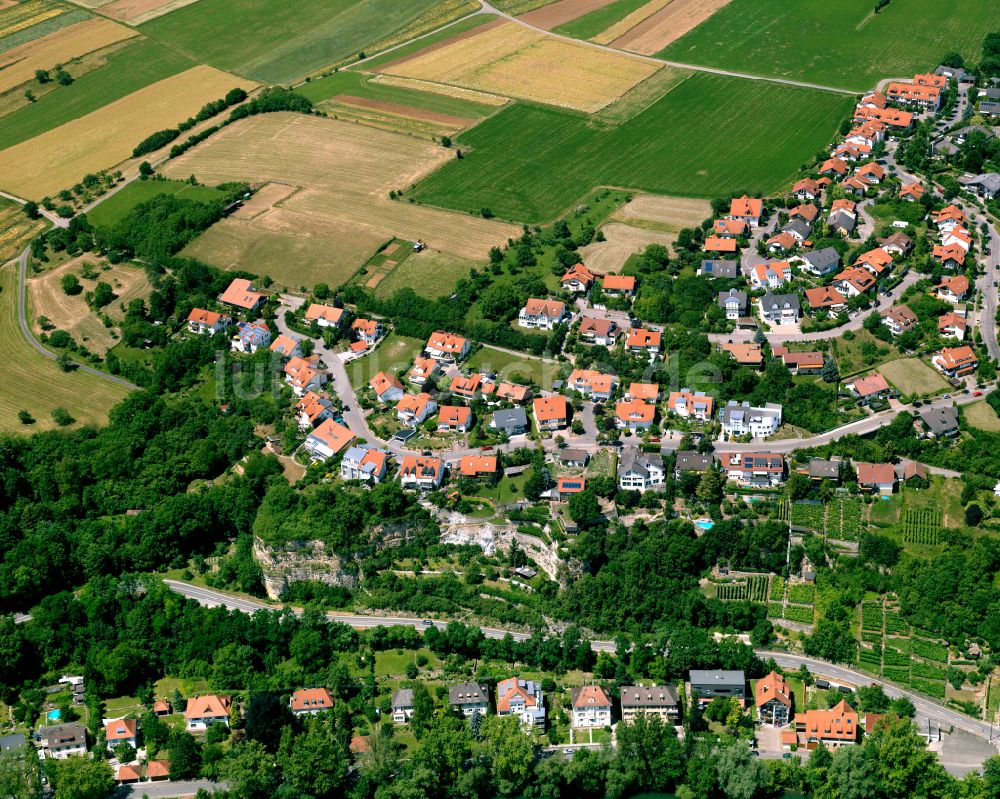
point(18, 64)
point(269, 195)
point(668, 24)
point(666, 213)
point(60, 157)
point(444, 122)
point(559, 13)
point(518, 62)
point(345, 172)
point(621, 241)
point(626, 23)
point(484, 98)
point(71, 313)
point(135, 12)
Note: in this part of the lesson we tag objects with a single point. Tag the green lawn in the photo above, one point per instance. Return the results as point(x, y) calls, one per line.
point(708, 136)
point(120, 203)
point(127, 71)
point(278, 41)
point(838, 44)
point(509, 489)
point(394, 354)
point(982, 416)
point(508, 365)
point(361, 85)
point(431, 274)
point(600, 19)
point(393, 664)
point(913, 376)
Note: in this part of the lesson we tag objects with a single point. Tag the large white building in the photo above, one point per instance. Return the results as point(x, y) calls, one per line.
point(741, 418)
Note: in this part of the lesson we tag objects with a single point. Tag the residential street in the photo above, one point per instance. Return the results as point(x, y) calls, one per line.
point(166, 790)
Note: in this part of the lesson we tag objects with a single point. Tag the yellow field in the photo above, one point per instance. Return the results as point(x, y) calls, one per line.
point(441, 88)
point(342, 212)
point(518, 62)
point(625, 24)
point(18, 65)
point(59, 158)
point(16, 230)
point(23, 15)
point(34, 383)
point(668, 24)
point(621, 241)
point(669, 213)
point(982, 416)
point(71, 313)
point(135, 12)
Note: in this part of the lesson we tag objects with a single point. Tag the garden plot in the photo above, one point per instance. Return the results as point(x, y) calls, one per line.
point(921, 526)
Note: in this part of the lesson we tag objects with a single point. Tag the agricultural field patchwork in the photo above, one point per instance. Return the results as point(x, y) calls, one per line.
point(704, 138)
point(60, 157)
point(135, 12)
point(667, 24)
point(561, 12)
point(34, 383)
point(279, 42)
point(342, 212)
point(32, 19)
point(780, 38)
point(511, 60)
point(16, 230)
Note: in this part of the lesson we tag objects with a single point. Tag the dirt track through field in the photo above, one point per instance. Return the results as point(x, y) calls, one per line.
point(399, 109)
point(668, 24)
point(559, 13)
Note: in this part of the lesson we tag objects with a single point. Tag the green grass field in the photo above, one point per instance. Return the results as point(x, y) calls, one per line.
point(913, 376)
point(394, 354)
point(120, 203)
point(540, 372)
point(708, 136)
point(278, 41)
point(361, 85)
point(430, 274)
point(599, 19)
point(36, 384)
point(982, 416)
point(837, 44)
point(127, 71)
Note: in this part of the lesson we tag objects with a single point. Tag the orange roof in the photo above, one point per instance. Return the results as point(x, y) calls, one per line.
point(772, 686)
point(334, 435)
point(312, 405)
point(871, 384)
point(416, 465)
point(129, 773)
point(930, 79)
point(838, 165)
point(358, 346)
point(446, 342)
point(424, 367)
point(119, 730)
point(876, 99)
point(690, 401)
point(871, 474)
point(872, 168)
point(838, 723)
point(789, 738)
point(805, 184)
point(729, 227)
point(158, 768)
point(312, 699)
point(578, 272)
point(550, 308)
point(785, 240)
point(951, 319)
point(203, 317)
point(949, 212)
point(327, 312)
point(512, 392)
point(590, 696)
point(550, 409)
point(956, 357)
point(843, 205)
point(891, 116)
point(367, 326)
point(644, 391)
point(208, 706)
point(383, 381)
point(915, 190)
point(285, 345)
point(619, 283)
point(718, 244)
point(241, 294)
point(806, 211)
point(824, 297)
point(475, 465)
point(810, 359)
point(861, 279)
point(956, 284)
point(744, 353)
point(635, 411)
point(746, 206)
point(466, 385)
point(592, 379)
point(949, 252)
point(640, 337)
point(878, 259)
point(512, 688)
point(301, 371)
point(913, 91)
point(454, 415)
point(162, 705)
point(413, 403)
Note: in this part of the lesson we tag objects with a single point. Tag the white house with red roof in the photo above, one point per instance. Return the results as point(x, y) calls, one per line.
point(387, 387)
point(327, 440)
point(413, 409)
point(241, 294)
point(747, 209)
point(542, 314)
point(205, 710)
point(207, 323)
point(591, 707)
point(447, 347)
point(122, 731)
point(521, 698)
point(310, 701)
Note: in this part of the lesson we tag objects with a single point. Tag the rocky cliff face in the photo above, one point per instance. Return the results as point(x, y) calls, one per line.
point(307, 560)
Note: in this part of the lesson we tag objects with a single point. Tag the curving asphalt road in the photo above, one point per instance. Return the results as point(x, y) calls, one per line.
point(926, 708)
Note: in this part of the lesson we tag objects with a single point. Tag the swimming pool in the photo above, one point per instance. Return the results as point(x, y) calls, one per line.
point(704, 524)
point(55, 715)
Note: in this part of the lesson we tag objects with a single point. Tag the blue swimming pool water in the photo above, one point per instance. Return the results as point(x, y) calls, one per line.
point(705, 524)
point(55, 715)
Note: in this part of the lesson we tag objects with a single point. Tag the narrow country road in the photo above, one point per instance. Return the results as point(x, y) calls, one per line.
point(925, 707)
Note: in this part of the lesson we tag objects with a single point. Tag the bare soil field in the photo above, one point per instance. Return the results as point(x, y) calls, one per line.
point(561, 12)
point(670, 212)
point(71, 313)
point(345, 172)
point(135, 12)
point(621, 241)
point(18, 64)
point(263, 200)
point(398, 109)
point(58, 158)
point(625, 24)
point(668, 24)
point(519, 62)
point(442, 88)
